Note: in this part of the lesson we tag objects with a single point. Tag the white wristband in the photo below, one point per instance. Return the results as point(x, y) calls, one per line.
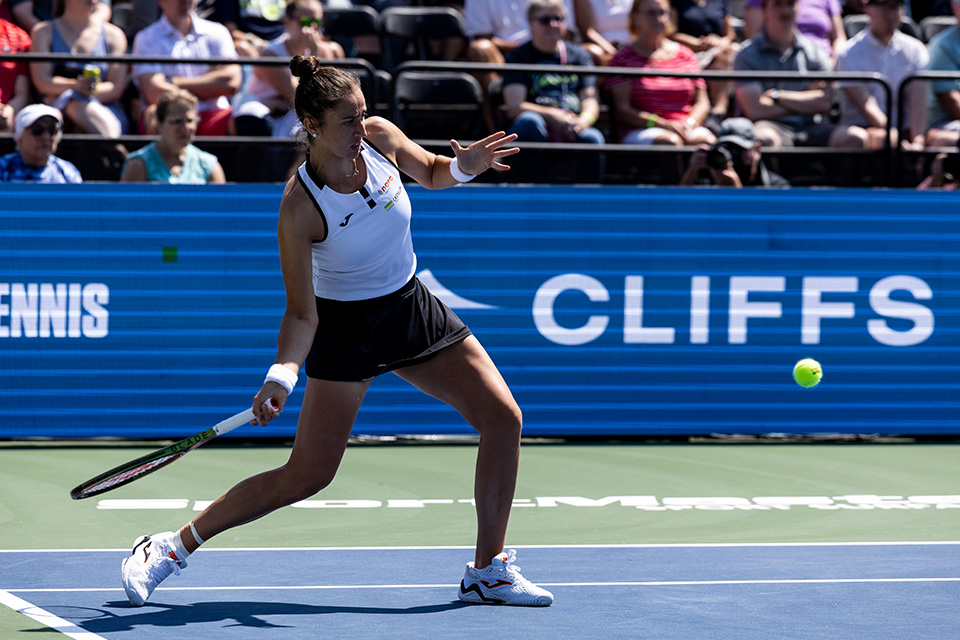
point(282, 376)
point(458, 173)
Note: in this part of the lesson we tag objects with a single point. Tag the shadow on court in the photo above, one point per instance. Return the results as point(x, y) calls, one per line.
point(244, 614)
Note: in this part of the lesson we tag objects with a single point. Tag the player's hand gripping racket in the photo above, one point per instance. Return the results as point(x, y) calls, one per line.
point(135, 469)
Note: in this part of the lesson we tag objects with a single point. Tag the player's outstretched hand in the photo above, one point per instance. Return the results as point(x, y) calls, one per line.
point(484, 154)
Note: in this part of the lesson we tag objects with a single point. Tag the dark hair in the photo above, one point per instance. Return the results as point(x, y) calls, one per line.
point(293, 5)
point(321, 88)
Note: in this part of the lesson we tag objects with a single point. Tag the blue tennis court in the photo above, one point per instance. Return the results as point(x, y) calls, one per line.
point(849, 590)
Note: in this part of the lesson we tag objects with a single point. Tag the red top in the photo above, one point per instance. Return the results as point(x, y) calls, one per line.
point(670, 98)
point(13, 39)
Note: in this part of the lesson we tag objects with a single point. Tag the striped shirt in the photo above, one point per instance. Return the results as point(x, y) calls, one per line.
point(669, 98)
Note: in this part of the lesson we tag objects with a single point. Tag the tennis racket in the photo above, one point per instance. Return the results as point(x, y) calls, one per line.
point(136, 469)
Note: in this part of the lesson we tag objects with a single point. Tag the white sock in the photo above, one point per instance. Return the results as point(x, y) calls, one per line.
point(178, 545)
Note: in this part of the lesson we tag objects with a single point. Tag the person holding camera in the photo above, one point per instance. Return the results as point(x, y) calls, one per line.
point(944, 173)
point(734, 161)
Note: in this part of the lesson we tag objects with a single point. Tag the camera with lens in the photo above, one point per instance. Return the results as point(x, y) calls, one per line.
point(951, 165)
point(721, 154)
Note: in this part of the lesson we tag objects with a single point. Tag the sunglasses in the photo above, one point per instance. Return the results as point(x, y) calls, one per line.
point(39, 129)
point(306, 21)
point(548, 20)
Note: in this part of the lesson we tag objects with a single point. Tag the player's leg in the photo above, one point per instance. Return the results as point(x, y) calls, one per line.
point(464, 376)
point(326, 418)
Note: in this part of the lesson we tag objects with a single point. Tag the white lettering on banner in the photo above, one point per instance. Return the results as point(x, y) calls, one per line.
point(813, 309)
point(548, 293)
point(44, 310)
point(921, 316)
point(741, 308)
point(866, 502)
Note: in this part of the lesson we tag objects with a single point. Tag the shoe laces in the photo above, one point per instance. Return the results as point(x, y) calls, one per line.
point(508, 563)
point(160, 569)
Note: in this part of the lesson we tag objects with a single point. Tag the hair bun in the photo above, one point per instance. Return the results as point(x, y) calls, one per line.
point(304, 67)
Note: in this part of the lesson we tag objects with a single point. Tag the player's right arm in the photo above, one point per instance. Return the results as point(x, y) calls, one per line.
point(298, 226)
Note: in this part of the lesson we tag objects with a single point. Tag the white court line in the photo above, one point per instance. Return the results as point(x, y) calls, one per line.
point(46, 618)
point(678, 545)
point(671, 583)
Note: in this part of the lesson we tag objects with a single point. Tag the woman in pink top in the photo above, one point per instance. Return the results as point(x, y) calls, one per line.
point(654, 110)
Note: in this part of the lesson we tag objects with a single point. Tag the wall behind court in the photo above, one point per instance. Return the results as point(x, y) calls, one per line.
point(152, 311)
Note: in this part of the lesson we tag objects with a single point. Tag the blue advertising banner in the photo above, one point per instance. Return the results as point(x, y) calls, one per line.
point(149, 311)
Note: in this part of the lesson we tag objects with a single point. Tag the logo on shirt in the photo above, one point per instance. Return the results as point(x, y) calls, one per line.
point(346, 220)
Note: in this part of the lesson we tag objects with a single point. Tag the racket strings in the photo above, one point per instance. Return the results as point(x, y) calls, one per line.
point(129, 475)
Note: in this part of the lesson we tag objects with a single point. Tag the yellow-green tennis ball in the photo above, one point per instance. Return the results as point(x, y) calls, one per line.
point(807, 372)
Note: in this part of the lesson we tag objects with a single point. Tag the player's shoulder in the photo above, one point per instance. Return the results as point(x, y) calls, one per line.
point(383, 134)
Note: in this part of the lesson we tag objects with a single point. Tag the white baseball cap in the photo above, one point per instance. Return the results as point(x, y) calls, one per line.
point(30, 114)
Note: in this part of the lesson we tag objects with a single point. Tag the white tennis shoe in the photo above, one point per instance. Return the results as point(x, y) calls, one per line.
point(501, 583)
point(153, 559)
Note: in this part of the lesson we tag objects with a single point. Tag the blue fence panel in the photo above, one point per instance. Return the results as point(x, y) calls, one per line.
point(152, 311)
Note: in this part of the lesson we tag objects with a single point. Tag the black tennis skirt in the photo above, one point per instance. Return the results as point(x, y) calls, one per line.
point(359, 340)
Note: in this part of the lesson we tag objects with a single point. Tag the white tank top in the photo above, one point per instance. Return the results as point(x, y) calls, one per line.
point(367, 251)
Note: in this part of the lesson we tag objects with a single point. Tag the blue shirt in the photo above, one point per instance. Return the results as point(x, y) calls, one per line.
point(13, 168)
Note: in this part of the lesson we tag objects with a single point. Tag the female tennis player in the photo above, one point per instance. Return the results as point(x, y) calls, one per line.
point(355, 310)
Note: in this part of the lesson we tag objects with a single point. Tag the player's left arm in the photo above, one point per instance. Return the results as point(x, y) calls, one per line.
point(429, 169)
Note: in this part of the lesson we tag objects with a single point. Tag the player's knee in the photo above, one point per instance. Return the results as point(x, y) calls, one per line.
point(301, 486)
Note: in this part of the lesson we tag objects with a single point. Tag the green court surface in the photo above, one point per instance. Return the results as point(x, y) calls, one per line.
point(568, 494)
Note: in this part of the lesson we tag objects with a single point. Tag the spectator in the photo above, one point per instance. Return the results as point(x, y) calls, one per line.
point(654, 110)
point(91, 103)
point(37, 133)
point(181, 33)
point(272, 88)
point(172, 157)
point(252, 24)
point(550, 106)
point(14, 81)
point(881, 47)
point(495, 28)
point(944, 173)
point(30, 13)
point(944, 101)
point(706, 28)
point(735, 161)
point(787, 113)
point(819, 20)
point(603, 27)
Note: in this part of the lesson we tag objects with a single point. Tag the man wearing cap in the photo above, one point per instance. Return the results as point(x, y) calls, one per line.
point(788, 113)
point(883, 48)
point(944, 101)
point(37, 132)
point(735, 161)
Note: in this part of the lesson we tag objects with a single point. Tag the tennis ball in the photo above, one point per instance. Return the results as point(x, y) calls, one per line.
point(807, 372)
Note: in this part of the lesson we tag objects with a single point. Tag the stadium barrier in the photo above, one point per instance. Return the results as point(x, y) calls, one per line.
point(627, 164)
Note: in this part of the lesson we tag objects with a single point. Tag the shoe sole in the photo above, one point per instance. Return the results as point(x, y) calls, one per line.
point(474, 595)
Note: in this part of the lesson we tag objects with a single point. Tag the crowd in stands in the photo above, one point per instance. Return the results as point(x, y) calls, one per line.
point(176, 101)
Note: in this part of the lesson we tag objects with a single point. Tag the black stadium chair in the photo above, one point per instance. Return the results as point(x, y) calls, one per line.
point(438, 105)
point(404, 28)
point(857, 22)
point(343, 25)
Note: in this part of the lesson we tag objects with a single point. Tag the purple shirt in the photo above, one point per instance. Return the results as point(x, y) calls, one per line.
point(814, 19)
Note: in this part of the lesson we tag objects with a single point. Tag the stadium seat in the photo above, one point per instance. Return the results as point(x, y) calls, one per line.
point(438, 105)
point(358, 21)
point(415, 26)
point(857, 22)
point(932, 25)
